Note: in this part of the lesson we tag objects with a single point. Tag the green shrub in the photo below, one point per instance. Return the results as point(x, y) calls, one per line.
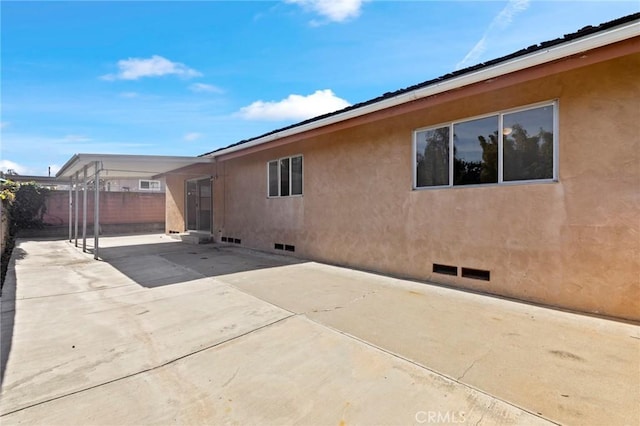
point(28, 207)
point(25, 205)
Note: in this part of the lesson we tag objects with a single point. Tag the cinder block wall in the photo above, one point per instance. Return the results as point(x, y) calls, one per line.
point(115, 208)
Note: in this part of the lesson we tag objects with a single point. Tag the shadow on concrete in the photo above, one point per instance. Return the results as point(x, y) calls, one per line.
point(8, 310)
point(155, 265)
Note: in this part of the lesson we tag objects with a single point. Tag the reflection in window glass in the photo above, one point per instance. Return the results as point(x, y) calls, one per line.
point(432, 157)
point(528, 144)
point(296, 176)
point(273, 178)
point(475, 148)
point(284, 177)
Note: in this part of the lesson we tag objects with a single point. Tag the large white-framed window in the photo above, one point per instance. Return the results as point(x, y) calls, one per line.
point(149, 185)
point(285, 176)
point(511, 146)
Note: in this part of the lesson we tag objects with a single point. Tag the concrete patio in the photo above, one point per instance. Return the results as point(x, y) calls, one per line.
point(161, 332)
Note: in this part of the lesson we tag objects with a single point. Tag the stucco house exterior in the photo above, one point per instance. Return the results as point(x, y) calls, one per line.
point(519, 177)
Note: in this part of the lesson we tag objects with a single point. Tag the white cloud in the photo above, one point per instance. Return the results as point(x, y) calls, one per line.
point(189, 137)
point(295, 107)
point(155, 66)
point(205, 88)
point(10, 165)
point(334, 10)
point(501, 21)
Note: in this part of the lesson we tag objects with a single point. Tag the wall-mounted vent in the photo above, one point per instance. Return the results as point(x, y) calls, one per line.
point(278, 246)
point(290, 247)
point(231, 240)
point(445, 269)
point(476, 274)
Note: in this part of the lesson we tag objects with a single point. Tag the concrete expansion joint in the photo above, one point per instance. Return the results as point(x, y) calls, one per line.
point(146, 370)
point(437, 373)
point(73, 292)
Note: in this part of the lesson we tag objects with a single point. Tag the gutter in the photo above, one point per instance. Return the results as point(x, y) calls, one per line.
point(533, 59)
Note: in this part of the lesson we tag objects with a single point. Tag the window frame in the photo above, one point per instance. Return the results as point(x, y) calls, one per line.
point(500, 114)
point(150, 181)
point(278, 161)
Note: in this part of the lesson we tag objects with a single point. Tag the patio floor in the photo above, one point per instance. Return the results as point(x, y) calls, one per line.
point(164, 332)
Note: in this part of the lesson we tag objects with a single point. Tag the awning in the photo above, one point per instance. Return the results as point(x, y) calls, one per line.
point(126, 166)
point(82, 167)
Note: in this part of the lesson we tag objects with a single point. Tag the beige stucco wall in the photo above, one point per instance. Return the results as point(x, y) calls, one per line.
point(572, 244)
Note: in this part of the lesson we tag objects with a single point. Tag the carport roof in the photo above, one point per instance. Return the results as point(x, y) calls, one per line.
point(127, 166)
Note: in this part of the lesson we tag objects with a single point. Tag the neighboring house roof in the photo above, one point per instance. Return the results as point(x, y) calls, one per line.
point(585, 39)
point(32, 178)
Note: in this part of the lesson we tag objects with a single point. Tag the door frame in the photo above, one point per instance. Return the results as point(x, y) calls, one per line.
point(186, 204)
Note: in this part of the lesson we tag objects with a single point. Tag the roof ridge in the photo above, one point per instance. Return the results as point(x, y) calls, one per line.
point(583, 32)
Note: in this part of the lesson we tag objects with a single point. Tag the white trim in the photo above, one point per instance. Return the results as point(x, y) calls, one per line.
point(128, 166)
point(500, 114)
point(500, 148)
point(414, 157)
point(291, 194)
point(278, 160)
point(150, 188)
point(186, 203)
point(539, 57)
point(556, 140)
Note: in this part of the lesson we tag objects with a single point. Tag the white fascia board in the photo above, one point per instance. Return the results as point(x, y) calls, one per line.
point(146, 164)
point(539, 57)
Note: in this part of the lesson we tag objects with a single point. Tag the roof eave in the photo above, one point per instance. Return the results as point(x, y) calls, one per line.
point(539, 57)
point(78, 161)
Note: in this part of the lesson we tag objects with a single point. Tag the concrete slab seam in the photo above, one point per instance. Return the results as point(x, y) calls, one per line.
point(256, 297)
point(146, 370)
point(453, 379)
point(75, 292)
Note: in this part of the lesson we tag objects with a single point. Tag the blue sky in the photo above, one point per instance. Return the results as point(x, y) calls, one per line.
point(184, 78)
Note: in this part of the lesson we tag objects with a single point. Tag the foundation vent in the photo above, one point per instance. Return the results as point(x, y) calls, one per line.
point(445, 269)
point(290, 247)
point(476, 274)
point(278, 246)
point(231, 240)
